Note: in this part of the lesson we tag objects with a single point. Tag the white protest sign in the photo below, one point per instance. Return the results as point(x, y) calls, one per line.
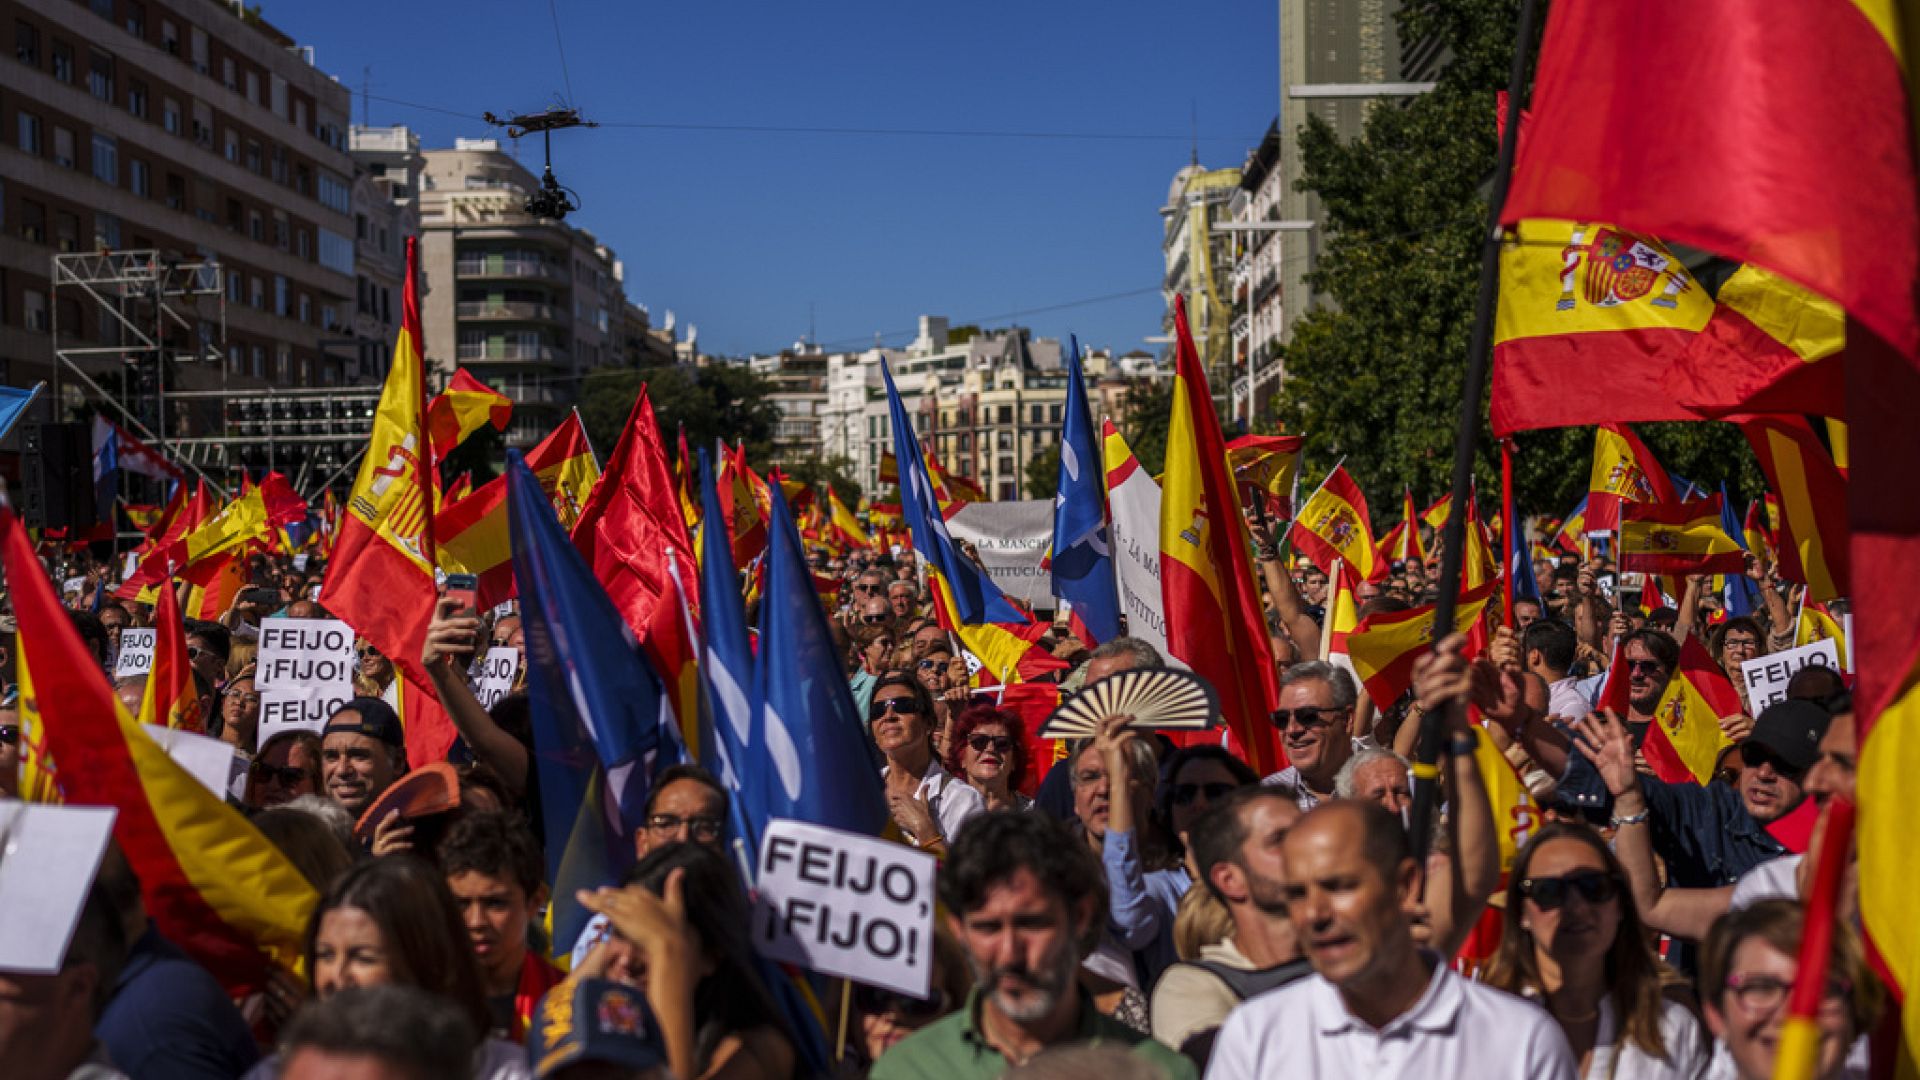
point(136, 652)
point(1135, 503)
point(1766, 677)
point(844, 904)
point(209, 760)
point(52, 853)
point(496, 675)
point(305, 672)
point(1012, 539)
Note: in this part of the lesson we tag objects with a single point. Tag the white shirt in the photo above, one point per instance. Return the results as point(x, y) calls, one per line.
point(1775, 879)
point(1457, 1029)
point(951, 799)
point(1565, 700)
point(1616, 1057)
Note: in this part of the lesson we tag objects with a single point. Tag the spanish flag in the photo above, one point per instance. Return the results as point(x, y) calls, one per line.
point(1213, 614)
point(1771, 346)
point(170, 700)
point(1685, 741)
point(745, 501)
point(1402, 542)
point(245, 519)
point(1813, 504)
point(1591, 317)
point(1266, 467)
point(1816, 623)
point(1678, 539)
point(1435, 516)
point(1572, 535)
point(461, 487)
point(1624, 470)
point(1515, 813)
point(1481, 563)
point(212, 884)
point(473, 534)
point(381, 580)
point(1385, 644)
point(464, 407)
point(1333, 524)
point(844, 528)
point(683, 474)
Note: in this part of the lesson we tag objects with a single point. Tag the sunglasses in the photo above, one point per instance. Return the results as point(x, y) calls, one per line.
point(365, 651)
point(284, 775)
point(9, 734)
point(1551, 893)
point(866, 588)
point(900, 705)
point(501, 643)
point(1184, 794)
point(1309, 716)
point(1000, 743)
point(875, 620)
point(194, 651)
point(1753, 755)
point(1646, 667)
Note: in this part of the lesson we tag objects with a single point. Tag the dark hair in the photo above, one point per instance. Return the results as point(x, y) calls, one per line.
point(1243, 773)
point(403, 1026)
point(514, 714)
point(1633, 972)
point(1819, 684)
point(216, 636)
point(731, 1000)
point(922, 700)
point(91, 631)
point(1779, 923)
point(995, 846)
point(1218, 834)
point(972, 717)
point(496, 843)
point(1746, 623)
point(407, 897)
point(1553, 639)
point(1657, 642)
point(689, 772)
point(99, 939)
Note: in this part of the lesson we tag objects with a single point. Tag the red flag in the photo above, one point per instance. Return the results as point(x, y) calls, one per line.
point(1812, 537)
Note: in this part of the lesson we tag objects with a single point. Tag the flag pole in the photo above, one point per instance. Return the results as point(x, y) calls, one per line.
point(1426, 769)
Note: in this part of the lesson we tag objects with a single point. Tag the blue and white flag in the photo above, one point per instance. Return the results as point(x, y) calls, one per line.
point(1083, 573)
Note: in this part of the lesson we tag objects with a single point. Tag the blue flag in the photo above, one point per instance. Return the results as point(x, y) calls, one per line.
point(596, 707)
point(813, 759)
point(1520, 561)
point(13, 405)
point(1741, 596)
point(726, 668)
point(1082, 562)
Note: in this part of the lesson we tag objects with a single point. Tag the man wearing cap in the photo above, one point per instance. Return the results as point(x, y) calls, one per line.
point(586, 1025)
point(362, 750)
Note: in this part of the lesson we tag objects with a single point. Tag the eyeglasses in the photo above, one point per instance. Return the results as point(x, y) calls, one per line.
point(1646, 667)
point(501, 643)
point(902, 705)
point(1551, 893)
point(1761, 994)
point(930, 664)
point(9, 734)
point(1309, 716)
point(700, 828)
point(875, 620)
point(1753, 755)
point(284, 775)
point(866, 588)
point(1733, 643)
point(1000, 743)
point(1184, 794)
point(365, 651)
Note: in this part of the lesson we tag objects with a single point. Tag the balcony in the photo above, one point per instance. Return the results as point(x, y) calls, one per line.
point(508, 310)
point(511, 353)
point(517, 269)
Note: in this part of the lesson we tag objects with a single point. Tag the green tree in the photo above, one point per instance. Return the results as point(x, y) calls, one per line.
point(1043, 473)
point(1145, 414)
point(1374, 376)
point(720, 401)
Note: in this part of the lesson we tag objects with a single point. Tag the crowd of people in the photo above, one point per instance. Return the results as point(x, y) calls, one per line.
point(1129, 905)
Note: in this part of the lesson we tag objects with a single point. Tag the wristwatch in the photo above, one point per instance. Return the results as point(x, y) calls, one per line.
point(1618, 821)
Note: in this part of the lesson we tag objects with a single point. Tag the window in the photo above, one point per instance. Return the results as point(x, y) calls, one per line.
point(336, 252)
point(256, 225)
point(280, 233)
point(139, 180)
point(233, 294)
point(33, 221)
point(306, 308)
point(170, 37)
point(26, 44)
point(329, 317)
point(253, 86)
point(279, 295)
point(253, 157)
point(303, 243)
point(176, 192)
point(1006, 414)
point(278, 157)
point(106, 231)
point(66, 230)
point(231, 146)
point(106, 159)
point(30, 133)
point(136, 19)
point(336, 195)
point(102, 8)
point(62, 147)
point(100, 75)
point(137, 98)
point(1006, 440)
point(300, 113)
point(227, 74)
point(236, 359)
point(236, 215)
point(62, 61)
point(259, 362)
point(33, 310)
point(258, 293)
point(170, 116)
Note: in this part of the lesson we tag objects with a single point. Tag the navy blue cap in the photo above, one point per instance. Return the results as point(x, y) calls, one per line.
point(594, 1020)
point(377, 720)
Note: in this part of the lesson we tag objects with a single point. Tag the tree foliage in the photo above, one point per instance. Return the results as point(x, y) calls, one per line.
point(1374, 374)
point(719, 401)
point(1042, 473)
point(1145, 414)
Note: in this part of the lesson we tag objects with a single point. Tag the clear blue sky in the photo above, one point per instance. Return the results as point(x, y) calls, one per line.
point(738, 232)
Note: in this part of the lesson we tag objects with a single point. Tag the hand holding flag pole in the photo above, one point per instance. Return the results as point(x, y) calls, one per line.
point(1426, 754)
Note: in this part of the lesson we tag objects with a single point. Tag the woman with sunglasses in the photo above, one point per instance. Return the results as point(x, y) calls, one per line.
point(10, 743)
point(287, 767)
point(1573, 941)
point(1746, 971)
point(988, 752)
point(928, 803)
point(1194, 778)
point(934, 670)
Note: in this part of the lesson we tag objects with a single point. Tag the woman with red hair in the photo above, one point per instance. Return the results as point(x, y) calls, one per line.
point(987, 751)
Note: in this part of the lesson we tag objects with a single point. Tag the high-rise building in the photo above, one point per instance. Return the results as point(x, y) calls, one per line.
point(199, 133)
point(386, 210)
point(1199, 261)
point(1259, 246)
point(530, 305)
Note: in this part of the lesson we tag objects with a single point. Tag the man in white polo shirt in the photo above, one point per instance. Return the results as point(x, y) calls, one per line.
point(1376, 1006)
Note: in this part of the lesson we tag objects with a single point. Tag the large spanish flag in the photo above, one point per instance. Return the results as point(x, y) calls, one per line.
point(1591, 317)
point(381, 577)
point(1213, 614)
point(211, 882)
point(1624, 470)
point(1771, 346)
point(1385, 644)
point(1678, 538)
point(464, 407)
point(1333, 524)
point(1812, 490)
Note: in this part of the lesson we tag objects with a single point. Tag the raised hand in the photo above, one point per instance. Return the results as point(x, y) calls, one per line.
point(1604, 739)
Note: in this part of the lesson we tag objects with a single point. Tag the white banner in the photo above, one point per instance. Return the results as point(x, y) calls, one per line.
point(1135, 506)
point(136, 651)
point(847, 905)
point(305, 672)
point(496, 675)
point(1012, 539)
point(1767, 676)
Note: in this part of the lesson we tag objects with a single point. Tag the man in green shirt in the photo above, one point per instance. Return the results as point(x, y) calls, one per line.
point(1024, 900)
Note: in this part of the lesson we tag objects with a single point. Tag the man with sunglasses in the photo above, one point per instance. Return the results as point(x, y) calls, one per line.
point(10, 743)
point(1314, 720)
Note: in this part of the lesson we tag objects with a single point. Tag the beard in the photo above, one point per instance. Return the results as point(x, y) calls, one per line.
point(1046, 984)
point(1267, 894)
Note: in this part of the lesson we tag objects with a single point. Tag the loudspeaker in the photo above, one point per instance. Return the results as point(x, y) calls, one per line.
point(57, 476)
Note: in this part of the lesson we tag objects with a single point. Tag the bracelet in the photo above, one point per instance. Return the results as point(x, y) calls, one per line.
point(1463, 745)
point(1266, 554)
point(1619, 822)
